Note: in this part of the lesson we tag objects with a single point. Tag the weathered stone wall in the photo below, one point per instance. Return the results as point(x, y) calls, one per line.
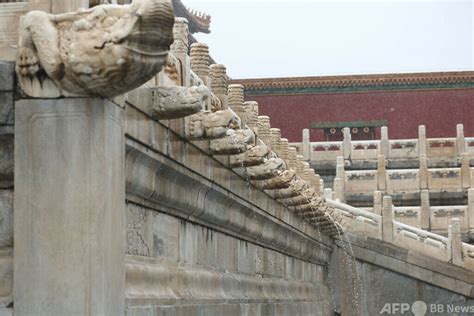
point(368, 274)
point(7, 87)
point(200, 239)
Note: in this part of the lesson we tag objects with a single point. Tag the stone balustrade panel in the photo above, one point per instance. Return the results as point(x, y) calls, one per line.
point(444, 178)
point(468, 256)
point(403, 181)
point(365, 150)
point(325, 151)
point(440, 218)
point(441, 148)
point(403, 149)
point(470, 146)
point(409, 215)
point(419, 240)
point(361, 181)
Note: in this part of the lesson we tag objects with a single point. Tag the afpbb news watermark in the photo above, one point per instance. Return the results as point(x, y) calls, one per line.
point(420, 308)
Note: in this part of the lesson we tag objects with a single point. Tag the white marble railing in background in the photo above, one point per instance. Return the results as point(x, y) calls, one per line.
point(366, 223)
point(445, 149)
point(357, 220)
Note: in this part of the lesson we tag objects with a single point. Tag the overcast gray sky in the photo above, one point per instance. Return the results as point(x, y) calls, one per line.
point(278, 38)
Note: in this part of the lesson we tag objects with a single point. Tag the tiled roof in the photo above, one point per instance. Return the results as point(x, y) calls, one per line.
point(433, 80)
point(198, 22)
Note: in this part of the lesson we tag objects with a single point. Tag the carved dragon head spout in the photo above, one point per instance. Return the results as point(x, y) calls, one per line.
point(103, 51)
point(152, 33)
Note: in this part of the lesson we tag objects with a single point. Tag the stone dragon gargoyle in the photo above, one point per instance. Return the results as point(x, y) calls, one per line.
point(255, 156)
point(105, 51)
point(212, 125)
point(235, 142)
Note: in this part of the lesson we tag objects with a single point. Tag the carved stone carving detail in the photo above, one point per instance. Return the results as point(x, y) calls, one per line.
point(200, 59)
point(176, 102)
point(212, 125)
point(267, 170)
point(253, 157)
point(106, 50)
point(282, 181)
point(180, 33)
point(235, 142)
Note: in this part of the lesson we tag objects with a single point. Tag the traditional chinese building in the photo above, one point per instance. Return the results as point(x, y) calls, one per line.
point(364, 103)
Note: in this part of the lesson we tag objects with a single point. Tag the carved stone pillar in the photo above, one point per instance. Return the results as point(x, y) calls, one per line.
point(378, 195)
point(251, 112)
point(219, 84)
point(465, 171)
point(200, 62)
point(470, 209)
point(387, 219)
point(292, 158)
point(275, 136)
point(263, 125)
point(425, 210)
point(338, 190)
point(300, 166)
point(316, 183)
point(423, 173)
point(340, 172)
point(69, 215)
point(180, 48)
point(306, 144)
point(422, 140)
point(236, 101)
point(455, 243)
point(381, 173)
point(460, 141)
point(327, 193)
point(346, 143)
point(384, 144)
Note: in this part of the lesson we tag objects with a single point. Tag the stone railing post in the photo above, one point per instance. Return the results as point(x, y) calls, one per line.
point(328, 193)
point(455, 243)
point(460, 141)
point(378, 195)
point(465, 171)
point(218, 74)
point(180, 47)
point(263, 127)
point(285, 155)
point(321, 185)
point(338, 190)
point(340, 172)
point(422, 140)
point(275, 137)
point(69, 218)
point(425, 210)
point(199, 55)
point(251, 113)
point(423, 172)
point(236, 101)
point(316, 182)
point(384, 144)
point(387, 219)
point(470, 209)
point(346, 143)
point(292, 158)
point(381, 173)
point(306, 145)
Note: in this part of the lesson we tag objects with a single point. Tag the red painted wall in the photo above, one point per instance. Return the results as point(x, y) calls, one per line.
point(439, 110)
